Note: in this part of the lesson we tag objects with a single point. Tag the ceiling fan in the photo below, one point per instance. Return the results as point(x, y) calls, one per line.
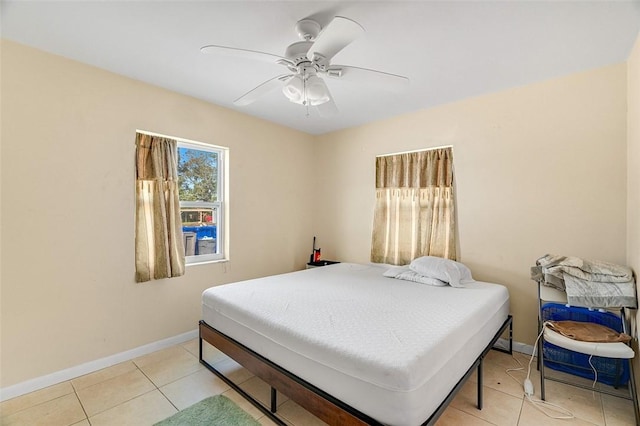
point(308, 60)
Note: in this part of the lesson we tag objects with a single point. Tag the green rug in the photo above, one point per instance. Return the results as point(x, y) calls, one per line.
point(216, 410)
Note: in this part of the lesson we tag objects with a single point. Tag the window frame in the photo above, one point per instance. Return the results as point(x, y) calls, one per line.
point(220, 205)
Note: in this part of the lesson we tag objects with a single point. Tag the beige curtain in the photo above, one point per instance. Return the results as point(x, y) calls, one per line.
point(159, 245)
point(414, 212)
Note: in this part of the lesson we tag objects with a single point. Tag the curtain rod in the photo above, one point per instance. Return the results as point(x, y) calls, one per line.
point(415, 150)
point(146, 132)
point(183, 140)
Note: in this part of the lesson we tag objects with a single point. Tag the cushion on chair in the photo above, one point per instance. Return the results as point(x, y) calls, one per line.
point(608, 350)
point(588, 331)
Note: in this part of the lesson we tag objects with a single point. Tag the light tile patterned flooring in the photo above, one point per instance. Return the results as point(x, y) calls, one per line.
point(150, 388)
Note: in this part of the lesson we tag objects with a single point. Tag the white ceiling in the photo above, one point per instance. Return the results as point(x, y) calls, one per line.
point(450, 50)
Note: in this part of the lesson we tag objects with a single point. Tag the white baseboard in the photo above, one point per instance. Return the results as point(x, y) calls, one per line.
point(517, 346)
point(91, 366)
point(522, 348)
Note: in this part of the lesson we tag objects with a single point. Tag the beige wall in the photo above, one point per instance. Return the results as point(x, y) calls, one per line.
point(633, 171)
point(68, 131)
point(539, 169)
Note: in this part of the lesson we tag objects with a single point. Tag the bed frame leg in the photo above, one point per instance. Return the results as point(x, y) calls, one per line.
point(480, 385)
point(274, 397)
point(203, 330)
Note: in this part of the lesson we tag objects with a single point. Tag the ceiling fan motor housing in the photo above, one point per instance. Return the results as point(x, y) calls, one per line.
point(297, 51)
point(307, 30)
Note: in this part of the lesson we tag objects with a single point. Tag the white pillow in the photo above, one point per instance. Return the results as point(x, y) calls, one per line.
point(405, 273)
point(449, 271)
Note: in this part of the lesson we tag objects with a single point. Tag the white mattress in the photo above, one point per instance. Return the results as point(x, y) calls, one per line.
point(392, 349)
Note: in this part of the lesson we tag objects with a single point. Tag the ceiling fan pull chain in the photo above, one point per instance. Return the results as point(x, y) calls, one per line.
point(305, 101)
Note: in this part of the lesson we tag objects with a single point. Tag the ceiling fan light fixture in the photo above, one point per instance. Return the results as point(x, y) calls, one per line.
point(294, 89)
point(311, 89)
point(316, 90)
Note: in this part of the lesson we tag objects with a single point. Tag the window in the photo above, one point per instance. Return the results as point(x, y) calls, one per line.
point(201, 188)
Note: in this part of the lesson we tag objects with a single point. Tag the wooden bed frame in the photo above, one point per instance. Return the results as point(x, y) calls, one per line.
point(315, 400)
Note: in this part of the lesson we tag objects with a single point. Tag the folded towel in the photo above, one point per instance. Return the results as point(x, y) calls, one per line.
point(595, 294)
point(589, 283)
point(589, 270)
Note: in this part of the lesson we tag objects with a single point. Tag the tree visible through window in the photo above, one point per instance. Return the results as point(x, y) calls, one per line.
point(200, 181)
point(198, 176)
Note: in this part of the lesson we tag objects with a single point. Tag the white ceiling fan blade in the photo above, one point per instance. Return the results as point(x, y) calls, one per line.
point(328, 109)
point(244, 53)
point(334, 37)
point(269, 85)
point(379, 79)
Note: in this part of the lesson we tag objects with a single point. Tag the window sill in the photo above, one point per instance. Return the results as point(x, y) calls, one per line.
point(205, 262)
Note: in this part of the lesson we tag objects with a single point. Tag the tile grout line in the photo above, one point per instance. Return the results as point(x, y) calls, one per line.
point(130, 399)
point(200, 368)
point(188, 375)
point(3, 418)
point(154, 385)
point(521, 410)
point(478, 417)
point(75, 392)
point(167, 398)
point(158, 388)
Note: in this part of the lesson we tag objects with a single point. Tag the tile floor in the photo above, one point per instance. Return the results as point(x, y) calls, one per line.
point(150, 388)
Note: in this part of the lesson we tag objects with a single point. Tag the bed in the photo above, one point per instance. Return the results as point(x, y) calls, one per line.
point(355, 347)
